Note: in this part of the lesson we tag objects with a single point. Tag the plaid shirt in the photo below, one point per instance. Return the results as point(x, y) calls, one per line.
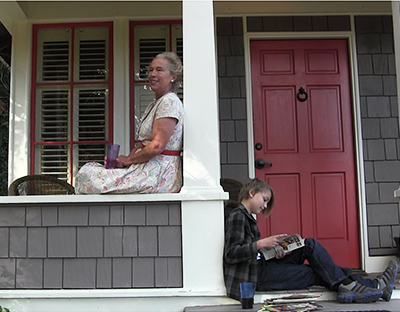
point(240, 251)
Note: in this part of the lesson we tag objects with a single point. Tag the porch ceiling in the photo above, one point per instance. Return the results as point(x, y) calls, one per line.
point(99, 9)
point(301, 7)
point(173, 9)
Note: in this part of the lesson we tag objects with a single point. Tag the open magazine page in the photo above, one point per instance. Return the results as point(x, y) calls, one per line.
point(288, 244)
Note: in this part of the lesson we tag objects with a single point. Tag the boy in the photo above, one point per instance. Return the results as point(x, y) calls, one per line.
point(243, 262)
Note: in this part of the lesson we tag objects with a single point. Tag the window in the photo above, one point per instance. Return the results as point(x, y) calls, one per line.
point(147, 40)
point(72, 81)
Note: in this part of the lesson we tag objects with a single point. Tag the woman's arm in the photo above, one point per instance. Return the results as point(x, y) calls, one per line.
point(161, 132)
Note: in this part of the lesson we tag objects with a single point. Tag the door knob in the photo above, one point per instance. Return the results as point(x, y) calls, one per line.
point(259, 163)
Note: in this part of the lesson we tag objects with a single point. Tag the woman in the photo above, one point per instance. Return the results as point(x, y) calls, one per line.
point(154, 164)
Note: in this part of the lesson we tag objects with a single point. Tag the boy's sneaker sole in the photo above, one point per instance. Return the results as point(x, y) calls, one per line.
point(387, 292)
point(388, 277)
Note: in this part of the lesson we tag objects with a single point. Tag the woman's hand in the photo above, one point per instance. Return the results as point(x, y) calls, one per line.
point(271, 241)
point(123, 161)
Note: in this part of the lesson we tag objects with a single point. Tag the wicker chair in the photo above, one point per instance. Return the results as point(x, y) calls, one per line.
point(40, 185)
point(233, 188)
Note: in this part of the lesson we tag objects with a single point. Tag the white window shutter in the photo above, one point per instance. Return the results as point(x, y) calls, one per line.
point(53, 54)
point(52, 112)
point(91, 52)
point(79, 121)
point(91, 123)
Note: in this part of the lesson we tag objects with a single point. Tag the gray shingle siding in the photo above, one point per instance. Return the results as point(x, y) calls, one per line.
point(375, 55)
point(90, 246)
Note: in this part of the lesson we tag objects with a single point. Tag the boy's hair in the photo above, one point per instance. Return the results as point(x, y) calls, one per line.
point(258, 185)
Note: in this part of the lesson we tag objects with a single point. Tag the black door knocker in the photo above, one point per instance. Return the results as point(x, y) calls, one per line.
point(302, 95)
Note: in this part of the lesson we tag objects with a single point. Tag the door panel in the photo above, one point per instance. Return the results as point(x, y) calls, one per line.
point(279, 112)
point(325, 119)
point(289, 206)
point(309, 143)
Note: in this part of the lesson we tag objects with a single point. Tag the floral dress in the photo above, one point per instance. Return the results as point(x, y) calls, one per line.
point(161, 174)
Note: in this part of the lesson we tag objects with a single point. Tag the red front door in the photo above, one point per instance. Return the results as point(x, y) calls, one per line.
point(303, 126)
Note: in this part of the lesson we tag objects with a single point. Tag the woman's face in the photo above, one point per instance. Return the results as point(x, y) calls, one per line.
point(160, 77)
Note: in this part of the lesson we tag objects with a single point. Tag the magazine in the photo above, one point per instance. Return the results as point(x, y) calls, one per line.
point(292, 303)
point(298, 298)
point(288, 244)
point(291, 307)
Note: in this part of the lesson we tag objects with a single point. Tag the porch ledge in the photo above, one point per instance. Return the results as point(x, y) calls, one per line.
point(187, 194)
point(109, 293)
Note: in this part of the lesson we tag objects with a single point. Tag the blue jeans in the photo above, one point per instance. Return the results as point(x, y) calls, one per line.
point(291, 272)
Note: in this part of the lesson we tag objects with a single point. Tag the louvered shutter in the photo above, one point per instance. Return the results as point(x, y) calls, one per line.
point(79, 121)
point(54, 55)
point(53, 116)
point(91, 103)
point(91, 123)
point(91, 50)
point(177, 41)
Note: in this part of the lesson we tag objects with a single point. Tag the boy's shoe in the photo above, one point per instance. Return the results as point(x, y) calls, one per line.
point(387, 278)
point(356, 292)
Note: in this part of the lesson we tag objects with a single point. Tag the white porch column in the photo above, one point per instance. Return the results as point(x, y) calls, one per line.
point(202, 219)
point(201, 160)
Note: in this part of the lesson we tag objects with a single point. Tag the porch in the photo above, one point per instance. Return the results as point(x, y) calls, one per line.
point(332, 306)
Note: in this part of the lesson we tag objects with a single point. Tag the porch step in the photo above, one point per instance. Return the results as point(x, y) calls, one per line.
point(326, 294)
point(327, 300)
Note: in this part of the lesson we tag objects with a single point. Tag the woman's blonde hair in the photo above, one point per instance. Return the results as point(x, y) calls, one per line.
point(175, 67)
point(258, 185)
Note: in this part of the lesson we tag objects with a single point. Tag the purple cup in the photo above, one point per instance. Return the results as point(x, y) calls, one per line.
point(112, 154)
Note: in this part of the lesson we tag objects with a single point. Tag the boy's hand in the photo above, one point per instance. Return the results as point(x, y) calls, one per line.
point(280, 252)
point(271, 241)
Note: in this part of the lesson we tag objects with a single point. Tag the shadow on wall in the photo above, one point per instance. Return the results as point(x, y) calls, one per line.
point(5, 61)
point(4, 105)
point(397, 240)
